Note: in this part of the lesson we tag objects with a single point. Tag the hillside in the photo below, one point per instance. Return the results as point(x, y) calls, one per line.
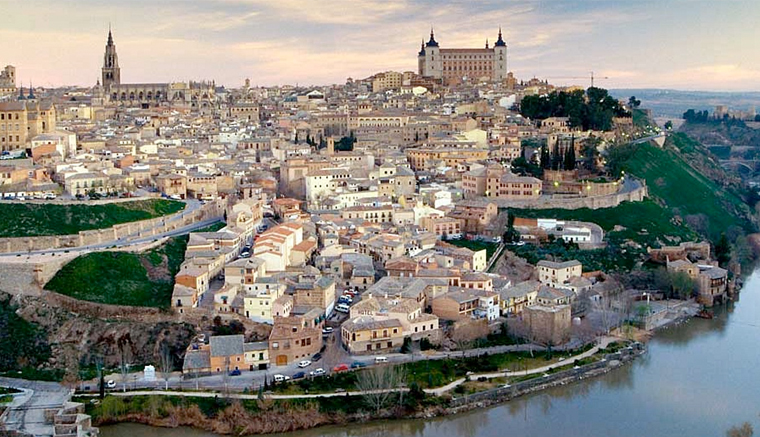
point(37, 219)
point(629, 229)
point(685, 179)
point(123, 278)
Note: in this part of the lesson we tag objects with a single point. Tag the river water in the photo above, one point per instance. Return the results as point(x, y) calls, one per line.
point(698, 379)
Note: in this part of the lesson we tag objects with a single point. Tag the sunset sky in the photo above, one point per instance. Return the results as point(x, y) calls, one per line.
point(692, 45)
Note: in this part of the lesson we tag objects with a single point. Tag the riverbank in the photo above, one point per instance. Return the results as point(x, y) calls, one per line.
point(242, 414)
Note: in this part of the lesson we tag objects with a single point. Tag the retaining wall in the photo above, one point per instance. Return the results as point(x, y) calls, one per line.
point(138, 229)
point(593, 202)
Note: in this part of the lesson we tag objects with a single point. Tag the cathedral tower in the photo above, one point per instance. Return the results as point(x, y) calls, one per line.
point(111, 70)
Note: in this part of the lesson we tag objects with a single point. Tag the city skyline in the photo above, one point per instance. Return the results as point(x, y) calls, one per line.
point(690, 45)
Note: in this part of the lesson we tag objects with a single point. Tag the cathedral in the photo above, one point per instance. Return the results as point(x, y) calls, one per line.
point(197, 96)
point(453, 66)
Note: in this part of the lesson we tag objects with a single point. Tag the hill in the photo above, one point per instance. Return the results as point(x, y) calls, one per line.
point(123, 278)
point(38, 219)
point(689, 183)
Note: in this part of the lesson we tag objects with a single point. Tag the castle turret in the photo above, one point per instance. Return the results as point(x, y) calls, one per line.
point(500, 58)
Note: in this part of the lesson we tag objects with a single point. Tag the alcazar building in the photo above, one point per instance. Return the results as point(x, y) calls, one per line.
point(453, 66)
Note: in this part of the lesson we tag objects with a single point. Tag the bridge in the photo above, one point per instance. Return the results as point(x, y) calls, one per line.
point(744, 167)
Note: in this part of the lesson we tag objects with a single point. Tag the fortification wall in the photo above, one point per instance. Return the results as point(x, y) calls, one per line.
point(124, 231)
point(591, 202)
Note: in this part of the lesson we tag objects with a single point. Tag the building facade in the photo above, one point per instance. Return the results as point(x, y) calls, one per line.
point(453, 66)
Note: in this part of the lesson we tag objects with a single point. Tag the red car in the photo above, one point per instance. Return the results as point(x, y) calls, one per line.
point(340, 368)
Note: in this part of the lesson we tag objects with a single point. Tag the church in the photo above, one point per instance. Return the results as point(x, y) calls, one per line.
point(197, 96)
point(453, 66)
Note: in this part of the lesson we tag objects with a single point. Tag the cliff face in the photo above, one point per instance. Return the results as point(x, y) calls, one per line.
point(78, 340)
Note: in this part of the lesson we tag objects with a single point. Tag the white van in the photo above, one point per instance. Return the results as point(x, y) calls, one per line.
point(379, 360)
point(343, 308)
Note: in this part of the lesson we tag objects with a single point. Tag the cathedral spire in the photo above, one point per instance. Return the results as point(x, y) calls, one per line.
point(486, 42)
point(110, 73)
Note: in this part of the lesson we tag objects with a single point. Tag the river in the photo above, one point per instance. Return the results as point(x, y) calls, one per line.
point(698, 379)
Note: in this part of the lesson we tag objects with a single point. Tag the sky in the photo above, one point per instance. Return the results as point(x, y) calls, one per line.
point(687, 45)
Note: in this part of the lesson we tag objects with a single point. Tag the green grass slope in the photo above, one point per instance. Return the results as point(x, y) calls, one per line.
point(676, 176)
point(37, 219)
point(121, 278)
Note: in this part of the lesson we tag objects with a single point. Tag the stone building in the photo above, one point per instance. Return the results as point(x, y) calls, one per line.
point(8, 81)
point(24, 119)
point(548, 324)
point(197, 96)
point(453, 66)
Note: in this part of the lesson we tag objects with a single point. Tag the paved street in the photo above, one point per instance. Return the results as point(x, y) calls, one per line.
point(27, 411)
point(333, 355)
point(220, 389)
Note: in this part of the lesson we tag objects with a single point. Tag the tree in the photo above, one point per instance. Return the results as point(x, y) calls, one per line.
point(723, 250)
point(569, 158)
point(669, 125)
point(378, 384)
point(675, 284)
point(556, 158)
point(633, 102)
point(545, 158)
point(743, 430)
point(124, 345)
point(166, 360)
point(407, 346)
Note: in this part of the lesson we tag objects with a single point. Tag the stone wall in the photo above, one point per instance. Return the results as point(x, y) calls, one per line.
point(575, 202)
point(125, 231)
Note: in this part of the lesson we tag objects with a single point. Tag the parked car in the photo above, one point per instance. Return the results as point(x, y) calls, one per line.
point(299, 375)
point(340, 368)
point(317, 356)
point(281, 378)
point(327, 330)
point(235, 372)
point(358, 365)
point(381, 359)
point(340, 390)
point(304, 363)
point(111, 383)
point(343, 308)
point(318, 372)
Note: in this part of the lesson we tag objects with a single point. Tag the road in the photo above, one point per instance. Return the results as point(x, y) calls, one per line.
point(332, 356)
point(132, 240)
point(435, 391)
point(27, 411)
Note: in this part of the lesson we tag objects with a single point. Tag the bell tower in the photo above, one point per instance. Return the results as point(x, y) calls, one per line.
point(111, 70)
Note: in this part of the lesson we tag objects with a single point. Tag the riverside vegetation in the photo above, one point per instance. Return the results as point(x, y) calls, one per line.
point(226, 415)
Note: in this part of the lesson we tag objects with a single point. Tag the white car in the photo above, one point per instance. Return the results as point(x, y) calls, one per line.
point(327, 330)
point(304, 363)
point(281, 378)
point(111, 383)
point(317, 372)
